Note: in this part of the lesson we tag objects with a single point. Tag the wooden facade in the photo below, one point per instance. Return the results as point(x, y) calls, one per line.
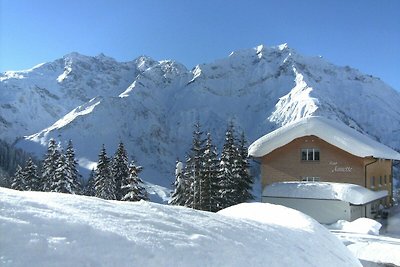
point(310, 158)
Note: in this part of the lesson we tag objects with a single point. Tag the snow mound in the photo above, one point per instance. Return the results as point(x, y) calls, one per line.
point(333, 132)
point(359, 226)
point(354, 194)
point(53, 229)
point(297, 232)
point(261, 212)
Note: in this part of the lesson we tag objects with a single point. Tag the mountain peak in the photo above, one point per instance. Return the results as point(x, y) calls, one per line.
point(144, 62)
point(283, 46)
point(74, 55)
point(103, 57)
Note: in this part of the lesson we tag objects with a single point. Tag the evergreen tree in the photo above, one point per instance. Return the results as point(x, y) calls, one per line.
point(245, 183)
point(179, 196)
point(208, 183)
point(104, 183)
point(132, 189)
point(49, 166)
point(5, 180)
point(65, 180)
point(61, 182)
point(89, 189)
point(210, 197)
point(193, 171)
point(18, 181)
point(120, 168)
point(10, 158)
point(31, 176)
point(71, 168)
point(229, 173)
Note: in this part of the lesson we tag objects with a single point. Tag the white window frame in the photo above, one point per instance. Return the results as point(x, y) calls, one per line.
point(311, 179)
point(313, 152)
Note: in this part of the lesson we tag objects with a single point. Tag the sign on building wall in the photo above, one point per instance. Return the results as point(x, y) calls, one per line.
point(337, 168)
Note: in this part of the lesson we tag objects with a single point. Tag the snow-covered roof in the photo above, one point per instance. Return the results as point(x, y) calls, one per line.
point(333, 132)
point(354, 194)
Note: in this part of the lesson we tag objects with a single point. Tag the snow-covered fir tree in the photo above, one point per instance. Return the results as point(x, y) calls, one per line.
point(89, 189)
point(71, 166)
point(31, 176)
point(192, 170)
point(132, 186)
point(245, 183)
point(49, 165)
point(61, 182)
point(105, 186)
point(210, 183)
point(180, 194)
point(120, 168)
point(209, 193)
point(18, 181)
point(229, 173)
point(65, 180)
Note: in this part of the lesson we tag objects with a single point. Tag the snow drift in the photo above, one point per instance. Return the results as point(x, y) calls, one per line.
point(360, 226)
point(53, 229)
point(372, 250)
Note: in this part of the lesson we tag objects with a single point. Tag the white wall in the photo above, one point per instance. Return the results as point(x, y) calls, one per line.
point(324, 211)
point(357, 212)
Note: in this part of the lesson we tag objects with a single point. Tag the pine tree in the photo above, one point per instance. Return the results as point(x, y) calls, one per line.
point(245, 183)
point(18, 181)
point(31, 176)
point(210, 197)
point(132, 189)
point(65, 180)
point(89, 189)
point(49, 166)
point(179, 196)
point(104, 183)
point(71, 168)
point(61, 181)
point(192, 171)
point(120, 168)
point(229, 173)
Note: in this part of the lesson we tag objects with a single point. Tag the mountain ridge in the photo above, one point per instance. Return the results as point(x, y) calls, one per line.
point(152, 105)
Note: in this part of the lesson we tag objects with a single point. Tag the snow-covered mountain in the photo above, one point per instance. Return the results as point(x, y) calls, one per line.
point(33, 99)
point(151, 105)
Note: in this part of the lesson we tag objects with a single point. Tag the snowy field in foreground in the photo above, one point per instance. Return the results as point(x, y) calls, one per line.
point(52, 229)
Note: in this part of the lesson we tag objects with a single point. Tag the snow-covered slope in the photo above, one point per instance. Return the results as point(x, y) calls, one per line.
point(259, 89)
point(33, 99)
point(54, 229)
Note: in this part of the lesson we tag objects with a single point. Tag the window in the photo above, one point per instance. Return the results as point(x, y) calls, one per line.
point(380, 181)
point(310, 179)
point(372, 182)
point(310, 154)
point(385, 180)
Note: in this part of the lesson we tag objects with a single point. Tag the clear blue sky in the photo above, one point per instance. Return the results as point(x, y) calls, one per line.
point(360, 33)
